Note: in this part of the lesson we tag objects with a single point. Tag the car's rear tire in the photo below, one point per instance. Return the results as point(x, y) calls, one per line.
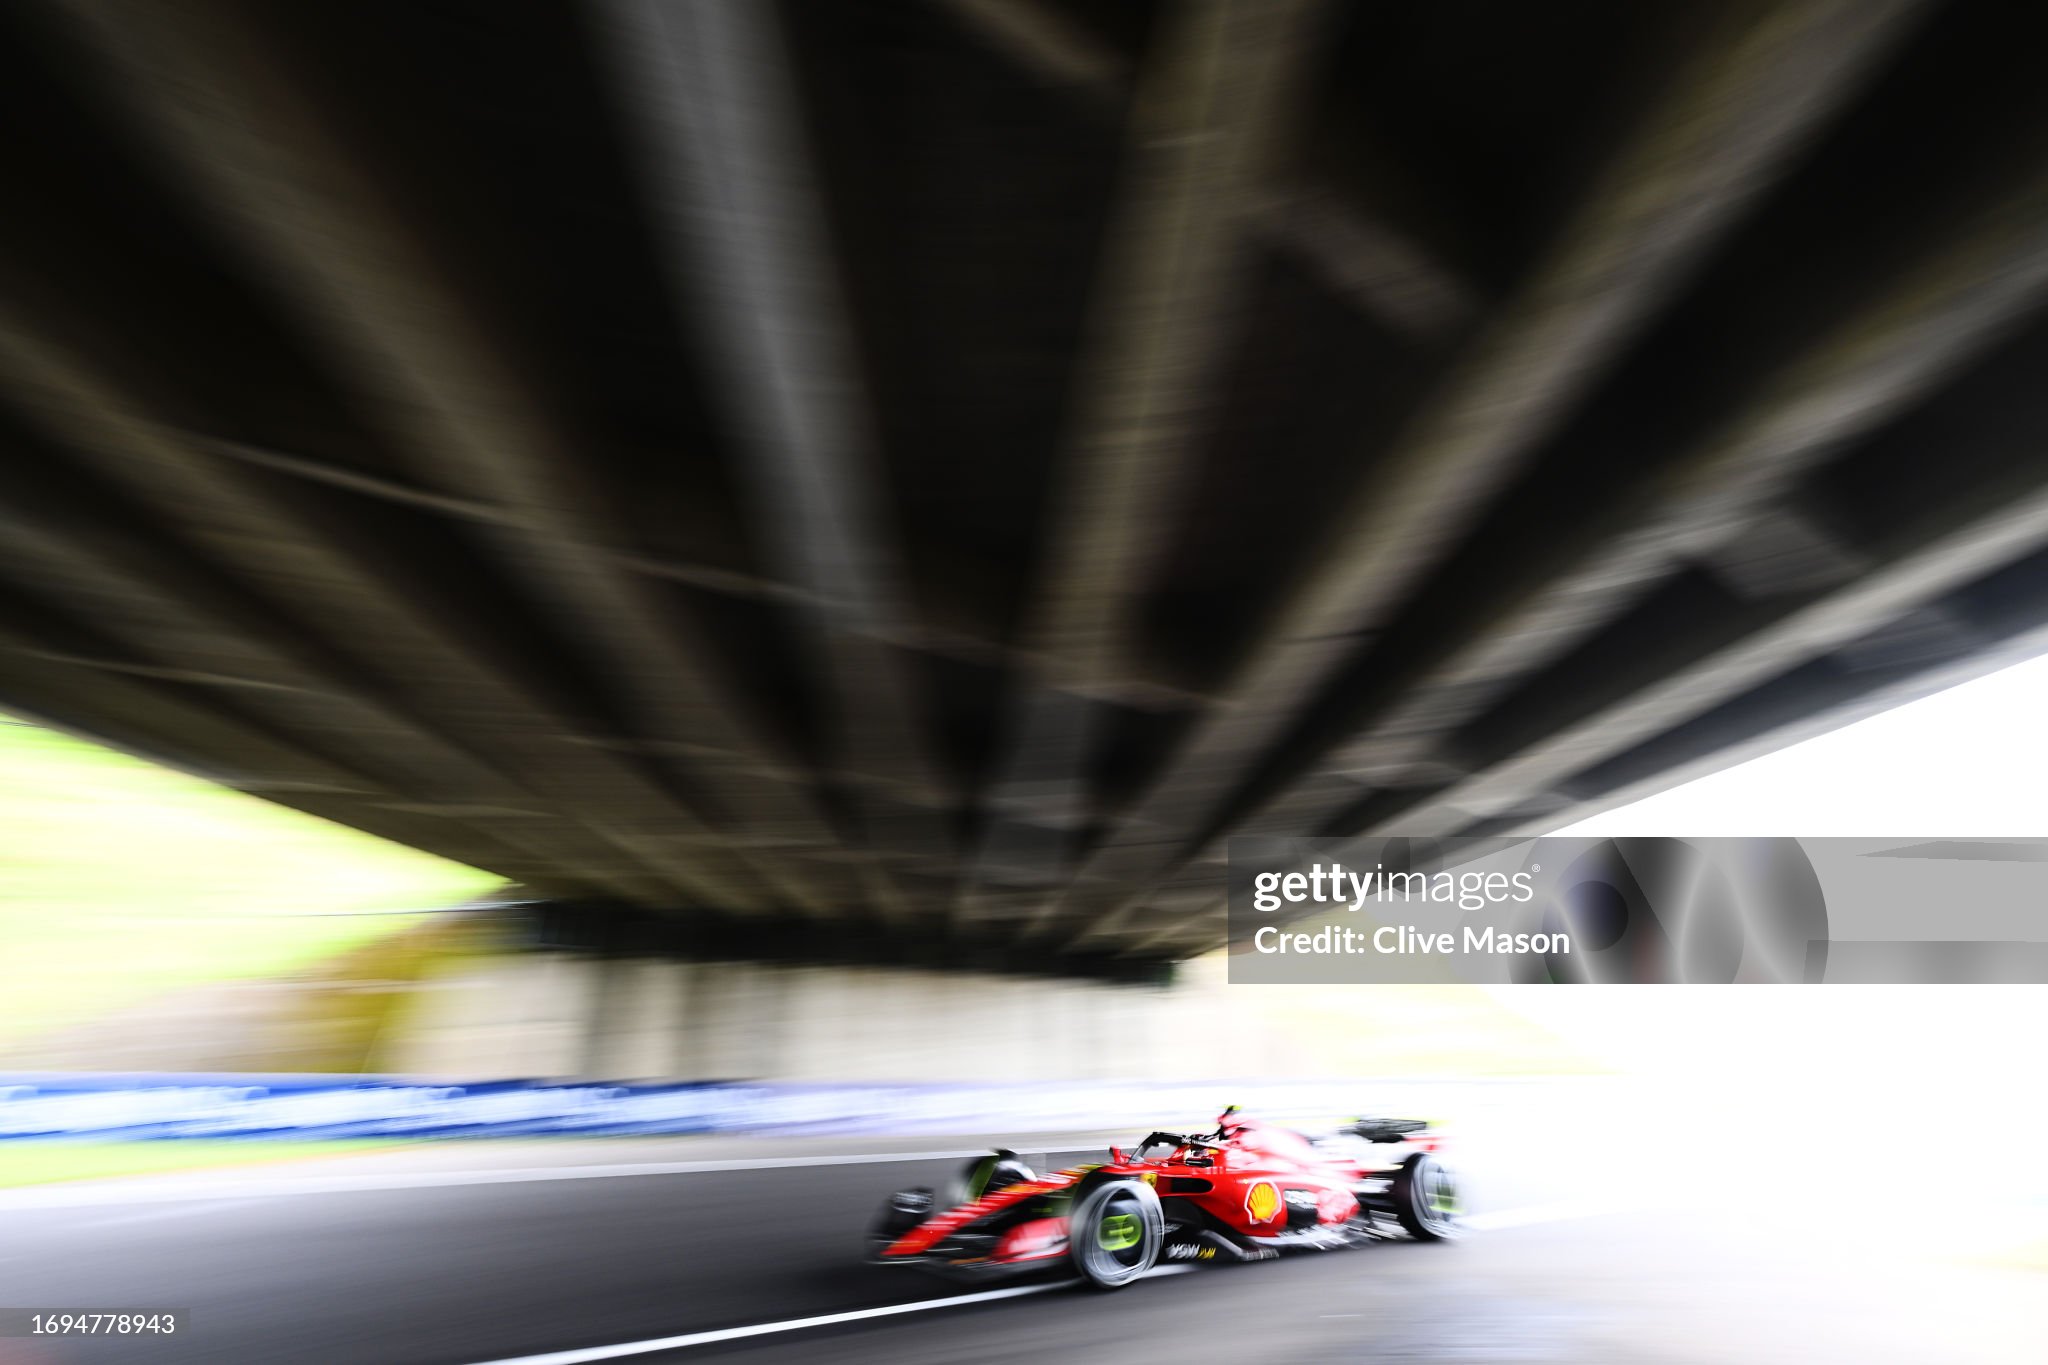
point(1115, 1232)
point(1426, 1199)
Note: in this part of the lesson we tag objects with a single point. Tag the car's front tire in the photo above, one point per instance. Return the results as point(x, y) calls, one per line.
point(901, 1212)
point(1115, 1232)
point(1426, 1199)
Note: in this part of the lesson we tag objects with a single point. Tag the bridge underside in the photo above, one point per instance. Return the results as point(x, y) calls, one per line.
point(914, 478)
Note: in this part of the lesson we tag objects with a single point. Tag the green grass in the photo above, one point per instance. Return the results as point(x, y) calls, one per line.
point(120, 880)
point(39, 1163)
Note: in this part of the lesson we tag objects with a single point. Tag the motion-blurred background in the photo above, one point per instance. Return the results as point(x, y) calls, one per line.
point(695, 541)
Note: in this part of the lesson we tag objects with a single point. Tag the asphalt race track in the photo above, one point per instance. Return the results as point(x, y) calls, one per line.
point(464, 1273)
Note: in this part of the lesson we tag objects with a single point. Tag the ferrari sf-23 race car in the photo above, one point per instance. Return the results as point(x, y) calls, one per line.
point(1245, 1192)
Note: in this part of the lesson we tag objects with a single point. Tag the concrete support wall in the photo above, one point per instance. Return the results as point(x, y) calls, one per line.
point(511, 1015)
point(562, 1015)
point(483, 1010)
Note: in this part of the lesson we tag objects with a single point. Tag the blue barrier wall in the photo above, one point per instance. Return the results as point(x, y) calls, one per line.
point(117, 1107)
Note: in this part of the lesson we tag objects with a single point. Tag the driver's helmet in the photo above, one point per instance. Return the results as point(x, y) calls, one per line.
point(996, 1171)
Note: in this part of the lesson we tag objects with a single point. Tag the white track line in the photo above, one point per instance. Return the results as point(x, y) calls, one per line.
point(125, 1193)
point(637, 1348)
point(174, 1189)
point(1504, 1218)
point(641, 1348)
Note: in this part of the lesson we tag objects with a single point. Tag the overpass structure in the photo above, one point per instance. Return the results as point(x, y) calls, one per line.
point(910, 480)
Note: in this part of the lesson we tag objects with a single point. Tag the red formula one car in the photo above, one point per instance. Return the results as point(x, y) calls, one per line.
point(1245, 1192)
